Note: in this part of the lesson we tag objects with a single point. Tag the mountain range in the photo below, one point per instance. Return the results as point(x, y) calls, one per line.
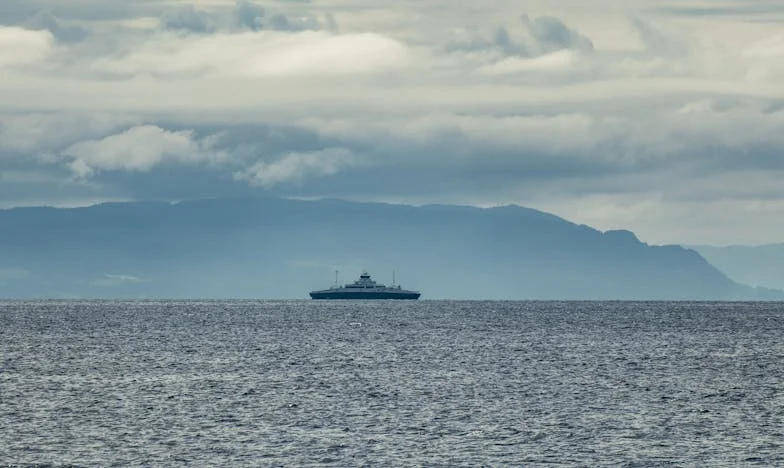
point(282, 248)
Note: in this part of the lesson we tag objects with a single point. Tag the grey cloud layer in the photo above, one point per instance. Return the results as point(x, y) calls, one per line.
point(45, 20)
point(245, 15)
point(530, 38)
point(607, 121)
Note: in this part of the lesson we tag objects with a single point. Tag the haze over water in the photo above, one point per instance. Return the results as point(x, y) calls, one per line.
point(391, 383)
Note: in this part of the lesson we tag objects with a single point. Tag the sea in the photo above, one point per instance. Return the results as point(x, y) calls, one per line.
point(391, 383)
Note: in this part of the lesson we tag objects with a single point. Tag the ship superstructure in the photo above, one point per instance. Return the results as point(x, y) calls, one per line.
point(365, 288)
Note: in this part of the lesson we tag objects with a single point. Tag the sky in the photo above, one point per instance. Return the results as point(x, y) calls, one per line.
point(664, 118)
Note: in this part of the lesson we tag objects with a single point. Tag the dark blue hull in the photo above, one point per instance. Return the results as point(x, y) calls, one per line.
point(364, 295)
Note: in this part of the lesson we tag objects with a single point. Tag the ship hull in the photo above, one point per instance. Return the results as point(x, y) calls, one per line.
point(364, 288)
point(363, 295)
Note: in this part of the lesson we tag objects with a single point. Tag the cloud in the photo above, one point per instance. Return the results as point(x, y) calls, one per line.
point(93, 11)
point(250, 15)
point(769, 10)
point(46, 21)
point(562, 59)
point(123, 278)
point(23, 46)
point(655, 40)
point(244, 16)
point(567, 154)
point(550, 34)
point(140, 149)
point(766, 60)
point(617, 103)
point(258, 54)
point(42, 134)
point(110, 280)
point(254, 17)
point(188, 18)
point(295, 167)
point(531, 37)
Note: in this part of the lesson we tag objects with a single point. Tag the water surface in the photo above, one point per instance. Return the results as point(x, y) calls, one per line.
point(255, 383)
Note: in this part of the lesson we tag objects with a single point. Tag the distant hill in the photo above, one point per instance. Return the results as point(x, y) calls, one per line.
point(280, 248)
point(757, 266)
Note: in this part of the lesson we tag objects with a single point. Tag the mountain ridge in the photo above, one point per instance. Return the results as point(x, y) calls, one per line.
point(281, 248)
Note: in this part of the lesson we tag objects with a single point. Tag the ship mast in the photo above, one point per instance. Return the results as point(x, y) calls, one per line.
point(336, 278)
point(393, 277)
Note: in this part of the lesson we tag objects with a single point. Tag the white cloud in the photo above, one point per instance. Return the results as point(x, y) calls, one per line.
point(556, 61)
point(295, 167)
point(42, 133)
point(765, 60)
point(140, 149)
point(19, 46)
point(258, 54)
point(123, 278)
point(770, 48)
point(110, 279)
